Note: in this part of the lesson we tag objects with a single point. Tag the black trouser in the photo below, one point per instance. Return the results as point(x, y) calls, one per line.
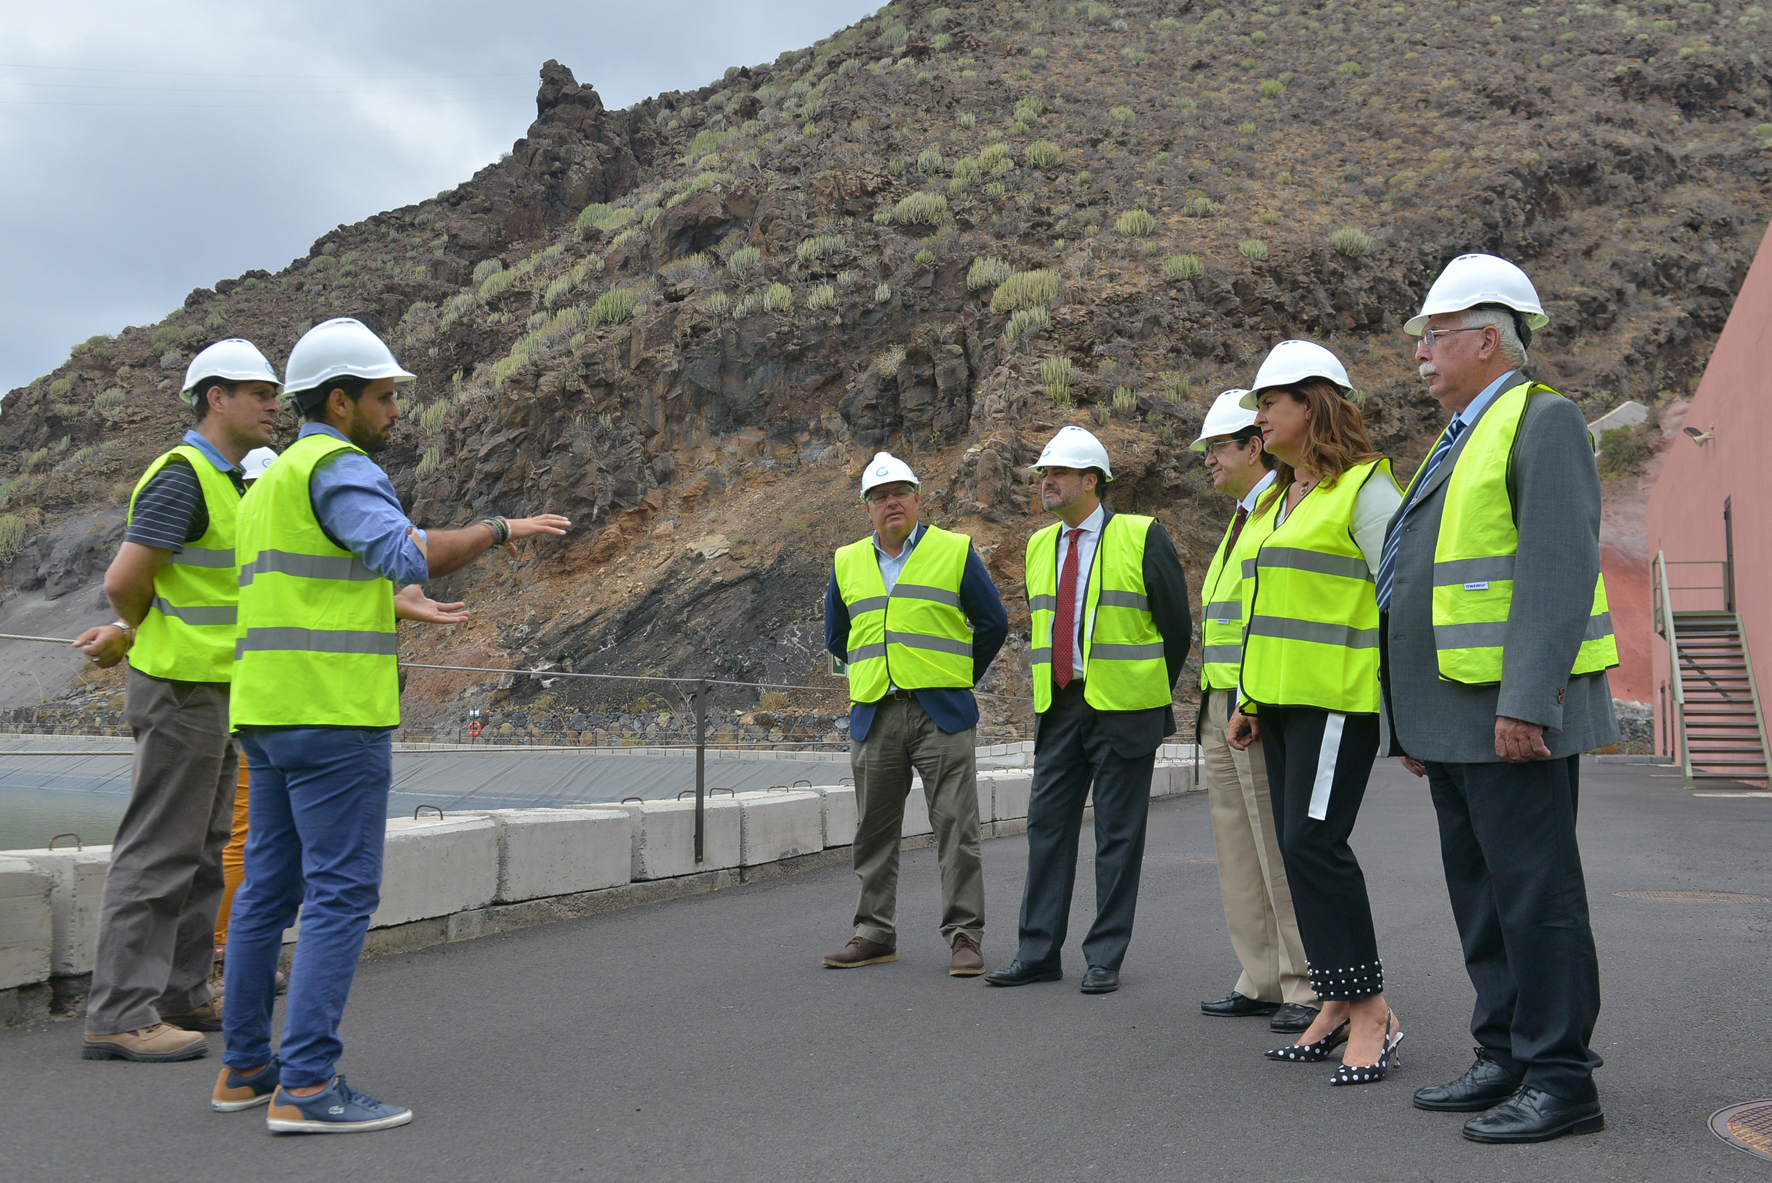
point(1513, 870)
point(1317, 767)
point(1076, 748)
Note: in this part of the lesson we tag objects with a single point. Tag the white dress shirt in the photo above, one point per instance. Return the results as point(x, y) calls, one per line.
point(1086, 543)
point(1254, 494)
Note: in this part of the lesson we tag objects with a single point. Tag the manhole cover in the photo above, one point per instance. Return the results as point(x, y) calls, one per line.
point(1180, 858)
point(1747, 1126)
point(1697, 897)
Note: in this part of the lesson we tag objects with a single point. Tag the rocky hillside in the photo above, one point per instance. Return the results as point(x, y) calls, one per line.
point(948, 230)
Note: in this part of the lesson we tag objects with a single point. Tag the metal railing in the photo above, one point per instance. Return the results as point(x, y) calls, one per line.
point(1664, 625)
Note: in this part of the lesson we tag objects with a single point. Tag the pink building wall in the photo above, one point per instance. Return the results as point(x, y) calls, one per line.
point(1685, 514)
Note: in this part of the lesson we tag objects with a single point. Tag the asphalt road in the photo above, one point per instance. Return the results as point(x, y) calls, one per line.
point(700, 1039)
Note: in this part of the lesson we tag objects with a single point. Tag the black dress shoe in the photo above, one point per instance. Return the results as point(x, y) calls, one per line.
point(1100, 980)
point(1486, 1085)
point(1292, 1018)
point(1235, 1006)
point(1533, 1115)
point(1020, 973)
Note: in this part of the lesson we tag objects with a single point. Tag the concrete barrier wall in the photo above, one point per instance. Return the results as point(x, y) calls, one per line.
point(469, 863)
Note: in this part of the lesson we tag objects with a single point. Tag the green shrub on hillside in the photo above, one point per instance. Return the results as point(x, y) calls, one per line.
point(1183, 267)
point(60, 387)
point(1044, 153)
point(1024, 322)
point(1055, 373)
point(613, 307)
point(1030, 108)
point(889, 361)
point(818, 246)
point(1024, 289)
point(882, 292)
point(1124, 116)
point(497, 284)
point(13, 532)
point(433, 417)
point(1352, 242)
point(993, 154)
point(691, 269)
point(920, 209)
point(924, 258)
point(1253, 248)
point(1273, 88)
point(744, 260)
point(987, 272)
point(822, 298)
point(942, 42)
point(1135, 223)
point(1200, 207)
point(488, 267)
point(967, 120)
point(929, 161)
point(1125, 401)
point(779, 297)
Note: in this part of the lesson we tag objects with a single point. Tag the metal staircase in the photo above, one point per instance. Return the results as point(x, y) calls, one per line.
point(1719, 727)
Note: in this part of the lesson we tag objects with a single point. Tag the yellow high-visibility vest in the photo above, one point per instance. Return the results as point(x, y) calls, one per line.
point(916, 638)
point(1123, 663)
point(188, 633)
point(1474, 555)
point(1312, 635)
point(1224, 598)
point(315, 640)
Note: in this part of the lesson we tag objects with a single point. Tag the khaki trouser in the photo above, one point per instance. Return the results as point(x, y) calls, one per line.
point(1251, 877)
point(156, 926)
point(903, 737)
point(233, 858)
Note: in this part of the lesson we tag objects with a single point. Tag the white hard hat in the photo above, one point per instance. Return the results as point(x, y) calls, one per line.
point(256, 461)
point(234, 360)
point(1471, 281)
point(1228, 416)
point(1292, 362)
point(1074, 447)
point(887, 469)
point(340, 348)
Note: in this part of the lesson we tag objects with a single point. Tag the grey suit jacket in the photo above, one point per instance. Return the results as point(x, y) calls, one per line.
point(1557, 509)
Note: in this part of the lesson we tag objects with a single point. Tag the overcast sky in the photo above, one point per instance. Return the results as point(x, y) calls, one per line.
point(148, 149)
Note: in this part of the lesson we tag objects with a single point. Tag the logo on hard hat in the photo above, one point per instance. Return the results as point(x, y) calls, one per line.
point(880, 471)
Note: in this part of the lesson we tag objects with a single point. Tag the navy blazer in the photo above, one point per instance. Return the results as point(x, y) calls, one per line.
point(954, 710)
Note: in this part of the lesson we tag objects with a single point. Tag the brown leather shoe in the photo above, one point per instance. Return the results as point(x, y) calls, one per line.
point(861, 951)
point(150, 1045)
point(968, 961)
point(207, 1017)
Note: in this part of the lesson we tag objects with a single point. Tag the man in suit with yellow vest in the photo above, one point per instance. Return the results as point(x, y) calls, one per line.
point(1275, 981)
point(1111, 630)
point(172, 586)
point(322, 540)
point(913, 611)
point(1496, 639)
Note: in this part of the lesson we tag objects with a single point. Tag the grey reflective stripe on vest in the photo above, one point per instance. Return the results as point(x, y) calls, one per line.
point(1458, 572)
point(1124, 599)
point(1248, 568)
point(1224, 610)
point(1492, 634)
point(1049, 603)
point(1042, 656)
point(1299, 559)
point(869, 604)
point(312, 640)
point(1107, 652)
point(1287, 629)
point(195, 556)
point(918, 591)
point(878, 649)
point(1223, 654)
point(924, 641)
point(226, 614)
point(286, 562)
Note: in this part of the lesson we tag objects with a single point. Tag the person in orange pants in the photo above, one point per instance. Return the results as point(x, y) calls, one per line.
point(233, 864)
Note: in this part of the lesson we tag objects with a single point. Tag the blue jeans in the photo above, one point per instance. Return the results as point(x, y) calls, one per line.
point(316, 823)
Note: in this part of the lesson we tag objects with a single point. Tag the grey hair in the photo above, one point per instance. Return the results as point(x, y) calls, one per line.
point(1511, 346)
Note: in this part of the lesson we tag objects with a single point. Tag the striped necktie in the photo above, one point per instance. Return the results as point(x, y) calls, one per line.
point(1387, 564)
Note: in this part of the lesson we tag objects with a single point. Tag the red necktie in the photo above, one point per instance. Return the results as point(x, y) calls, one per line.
point(1237, 529)
point(1064, 624)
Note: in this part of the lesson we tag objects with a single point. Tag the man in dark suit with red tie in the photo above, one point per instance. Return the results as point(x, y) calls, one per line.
point(1111, 629)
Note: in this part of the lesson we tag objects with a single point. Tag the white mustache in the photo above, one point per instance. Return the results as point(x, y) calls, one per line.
point(1426, 369)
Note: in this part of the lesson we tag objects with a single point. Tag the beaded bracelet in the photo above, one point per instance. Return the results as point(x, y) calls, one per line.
point(501, 530)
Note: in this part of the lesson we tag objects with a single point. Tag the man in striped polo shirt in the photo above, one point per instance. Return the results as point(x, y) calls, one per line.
point(173, 587)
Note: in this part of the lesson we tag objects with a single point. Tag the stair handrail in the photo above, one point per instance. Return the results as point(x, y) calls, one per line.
point(1664, 622)
point(1753, 693)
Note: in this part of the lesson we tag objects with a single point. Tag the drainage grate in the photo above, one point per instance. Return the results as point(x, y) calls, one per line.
point(1698, 897)
point(1179, 858)
point(1747, 1126)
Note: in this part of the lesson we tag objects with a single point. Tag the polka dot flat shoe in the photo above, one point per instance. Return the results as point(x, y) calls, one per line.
point(1311, 1053)
point(1372, 1073)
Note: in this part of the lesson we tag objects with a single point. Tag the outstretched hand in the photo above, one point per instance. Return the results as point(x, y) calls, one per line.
point(547, 523)
point(411, 603)
point(106, 644)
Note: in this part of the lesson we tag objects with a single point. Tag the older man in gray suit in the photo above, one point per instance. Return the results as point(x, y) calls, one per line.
point(1496, 641)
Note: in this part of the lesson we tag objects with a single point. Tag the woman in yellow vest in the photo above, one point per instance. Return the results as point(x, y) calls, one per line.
point(1309, 688)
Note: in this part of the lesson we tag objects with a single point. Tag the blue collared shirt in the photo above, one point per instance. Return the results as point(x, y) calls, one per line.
point(356, 505)
point(222, 464)
point(953, 710)
point(1470, 413)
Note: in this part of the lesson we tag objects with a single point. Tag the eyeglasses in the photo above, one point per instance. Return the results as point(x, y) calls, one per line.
point(1214, 448)
point(1429, 336)
point(901, 494)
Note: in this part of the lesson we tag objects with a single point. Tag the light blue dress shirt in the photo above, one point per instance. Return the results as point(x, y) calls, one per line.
point(195, 438)
point(356, 505)
point(1470, 413)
